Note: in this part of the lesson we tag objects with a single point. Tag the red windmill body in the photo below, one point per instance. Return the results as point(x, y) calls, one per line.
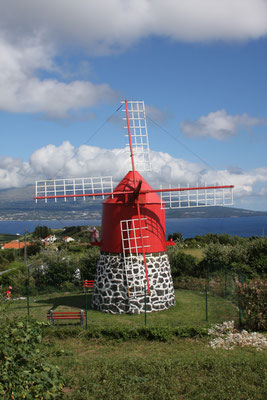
point(133, 247)
point(123, 207)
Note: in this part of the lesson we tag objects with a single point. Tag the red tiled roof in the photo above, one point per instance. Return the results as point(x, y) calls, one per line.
point(15, 244)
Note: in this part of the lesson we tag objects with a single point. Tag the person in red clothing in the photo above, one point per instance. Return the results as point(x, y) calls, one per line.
point(8, 293)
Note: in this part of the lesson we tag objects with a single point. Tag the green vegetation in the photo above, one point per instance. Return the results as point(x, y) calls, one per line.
point(188, 311)
point(5, 237)
point(23, 372)
point(117, 357)
point(253, 301)
point(180, 369)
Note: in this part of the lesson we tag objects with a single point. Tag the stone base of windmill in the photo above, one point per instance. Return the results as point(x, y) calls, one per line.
point(119, 289)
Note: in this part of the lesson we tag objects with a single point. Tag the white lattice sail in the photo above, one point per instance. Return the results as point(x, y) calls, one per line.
point(132, 253)
point(138, 127)
point(197, 197)
point(73, 188)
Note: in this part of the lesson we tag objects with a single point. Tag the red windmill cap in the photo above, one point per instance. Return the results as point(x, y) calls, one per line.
point(127, 184)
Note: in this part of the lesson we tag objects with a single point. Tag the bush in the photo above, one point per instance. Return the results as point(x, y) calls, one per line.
point(253, 303)
point(88, 262)
point(54, 271)
point(23, 372)
point(190, 283)
point(161, 334)
point(257, 256)
point(181, 263)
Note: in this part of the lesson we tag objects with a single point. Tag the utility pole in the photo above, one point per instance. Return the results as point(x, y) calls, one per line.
point(28, 278)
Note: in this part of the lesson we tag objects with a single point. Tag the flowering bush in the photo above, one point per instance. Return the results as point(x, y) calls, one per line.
point(252, 297)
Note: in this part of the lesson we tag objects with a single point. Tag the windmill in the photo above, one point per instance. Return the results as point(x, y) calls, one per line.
point(133, 272)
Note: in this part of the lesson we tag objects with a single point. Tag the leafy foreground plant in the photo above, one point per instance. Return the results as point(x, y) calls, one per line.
point(23, 372)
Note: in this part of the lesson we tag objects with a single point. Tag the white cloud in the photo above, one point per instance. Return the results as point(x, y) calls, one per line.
point(33, 33)
point(87, 161)
point(22, 90)
point(112, 25)
point(219, 125)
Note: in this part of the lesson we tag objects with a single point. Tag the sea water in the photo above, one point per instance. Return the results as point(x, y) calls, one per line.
point(189, 227)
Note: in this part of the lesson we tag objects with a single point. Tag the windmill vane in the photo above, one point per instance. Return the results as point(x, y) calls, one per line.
point(133, 273)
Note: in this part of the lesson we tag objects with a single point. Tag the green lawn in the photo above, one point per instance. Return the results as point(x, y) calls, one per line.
point(6, 237)
point(198, 253)
point(179, 369)
point(190, 309)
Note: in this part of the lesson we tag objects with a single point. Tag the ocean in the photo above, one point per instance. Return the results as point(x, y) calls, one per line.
point(189, 227)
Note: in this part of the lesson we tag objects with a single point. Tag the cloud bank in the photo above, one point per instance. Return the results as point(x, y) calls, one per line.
point(22, 90)
point(35, 34)
point(219, 125)
point(112, 25)
point(87, 161)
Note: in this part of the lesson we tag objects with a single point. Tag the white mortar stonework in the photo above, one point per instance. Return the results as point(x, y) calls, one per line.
point(120, 287)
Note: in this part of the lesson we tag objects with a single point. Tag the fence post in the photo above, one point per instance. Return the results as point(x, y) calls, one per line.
point(241, 279)
point(207, 317)
point(86, 290)
point(81, 317)
point(225, 282)
point(51, 317)
point(145, 306)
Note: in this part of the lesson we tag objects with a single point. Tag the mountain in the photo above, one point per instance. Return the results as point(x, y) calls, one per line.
point(213, 212)
point(19, 204)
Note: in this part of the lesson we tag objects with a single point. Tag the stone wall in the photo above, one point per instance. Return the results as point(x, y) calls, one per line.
point(120, 287)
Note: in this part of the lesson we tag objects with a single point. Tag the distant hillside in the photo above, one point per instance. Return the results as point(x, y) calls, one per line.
point(18, 204)
point(213, 212)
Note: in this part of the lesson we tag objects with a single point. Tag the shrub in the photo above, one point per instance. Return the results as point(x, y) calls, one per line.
point(181, 263)
point(257, 256)
point(23, 372)
point(88, 262)
point(253, 303)
point(161, 334)
point(55, 270)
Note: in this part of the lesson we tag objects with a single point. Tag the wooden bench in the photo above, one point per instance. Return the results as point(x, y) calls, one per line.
point(88, 284)
point(52, 315)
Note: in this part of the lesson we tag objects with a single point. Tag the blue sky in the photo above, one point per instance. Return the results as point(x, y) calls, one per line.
point(200, 67)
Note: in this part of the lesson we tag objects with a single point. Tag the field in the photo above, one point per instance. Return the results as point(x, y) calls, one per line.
point(178, 368)
point(198, 253)
point(190, 309)
point(6, 237)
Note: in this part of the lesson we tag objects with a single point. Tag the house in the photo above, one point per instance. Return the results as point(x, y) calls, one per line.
point(49, 239)
point(68, 239)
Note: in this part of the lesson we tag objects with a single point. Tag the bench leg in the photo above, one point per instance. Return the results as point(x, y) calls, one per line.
point(51, 318)
point(81, 317)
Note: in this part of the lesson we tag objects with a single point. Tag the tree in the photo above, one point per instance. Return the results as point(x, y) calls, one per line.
point(41, 232)
point(176, 237)
point(88, 262)
point(216, 258)
point(182, 264)
point(257, 256)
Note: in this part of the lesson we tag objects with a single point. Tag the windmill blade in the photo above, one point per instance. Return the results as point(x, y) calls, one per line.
point(196, 197)
point(132, 236)
point(73, 188)
point(136, 122)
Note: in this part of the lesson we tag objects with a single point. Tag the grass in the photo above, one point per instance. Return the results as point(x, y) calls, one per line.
point(6, 237)
point(179, 369)
point(190, 309)
point(198, 253)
